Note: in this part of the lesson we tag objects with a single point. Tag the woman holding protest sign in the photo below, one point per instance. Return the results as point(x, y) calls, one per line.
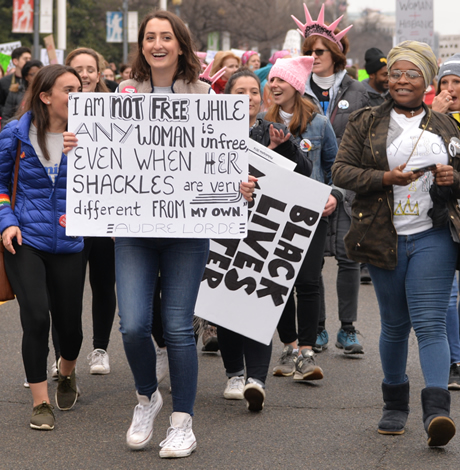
point(235, 348)
point(165, 63)
point(317, 140)
point(44, 266)
point(99, 251)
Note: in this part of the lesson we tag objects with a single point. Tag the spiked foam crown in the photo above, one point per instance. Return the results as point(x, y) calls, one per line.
point(319, 28)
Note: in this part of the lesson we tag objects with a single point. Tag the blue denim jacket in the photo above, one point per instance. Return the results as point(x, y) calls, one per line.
point(319, 143)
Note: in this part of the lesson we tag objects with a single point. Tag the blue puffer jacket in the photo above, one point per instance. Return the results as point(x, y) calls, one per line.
point(40, 207)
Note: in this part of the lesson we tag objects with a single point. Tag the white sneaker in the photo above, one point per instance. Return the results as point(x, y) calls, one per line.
point(26, 384)
point(141, 429)
point(254, 394)
point(180, 440)
point(99, 362)
point(234, 388)
point(54, 371)
point(162, 363)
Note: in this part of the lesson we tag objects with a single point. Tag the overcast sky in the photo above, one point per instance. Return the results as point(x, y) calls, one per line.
point(446, 12)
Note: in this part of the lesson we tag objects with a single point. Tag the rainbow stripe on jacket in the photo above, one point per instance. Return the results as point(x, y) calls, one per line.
point(4, 200)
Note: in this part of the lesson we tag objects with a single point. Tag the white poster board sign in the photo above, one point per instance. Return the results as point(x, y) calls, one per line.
point(293, 42)
point(269, 155)
point(8, 47)
point(414, 21)
point(247, 282)
point(46, 60)
point(152, 165)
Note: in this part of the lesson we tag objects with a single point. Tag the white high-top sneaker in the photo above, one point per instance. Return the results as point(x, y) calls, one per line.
point(180, 440)
point(141, 429)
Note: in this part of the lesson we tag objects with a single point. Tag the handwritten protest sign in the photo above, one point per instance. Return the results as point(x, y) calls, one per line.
point(151, 165)
point(414, 21)
point(247, 282)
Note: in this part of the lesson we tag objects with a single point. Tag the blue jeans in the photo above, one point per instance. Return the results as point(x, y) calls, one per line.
point(417, 294)
point(452, 325)
point(181, 263)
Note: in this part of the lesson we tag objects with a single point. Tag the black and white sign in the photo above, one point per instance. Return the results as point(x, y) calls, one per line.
point(150, 165)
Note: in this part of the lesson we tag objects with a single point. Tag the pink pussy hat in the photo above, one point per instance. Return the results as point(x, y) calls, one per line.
point(294, 71)
point(278, 55)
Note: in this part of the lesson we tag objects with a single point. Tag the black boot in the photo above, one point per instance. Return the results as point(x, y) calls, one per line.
point(396, 408)
point(436, 407)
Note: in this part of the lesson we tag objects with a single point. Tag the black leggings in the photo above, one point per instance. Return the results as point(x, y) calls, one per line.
point(307, 286)
point(100, 254)
point(236, 348)
point(45, 282)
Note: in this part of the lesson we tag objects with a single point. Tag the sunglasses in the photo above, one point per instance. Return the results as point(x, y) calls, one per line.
point(411, 75)
point(318, 52)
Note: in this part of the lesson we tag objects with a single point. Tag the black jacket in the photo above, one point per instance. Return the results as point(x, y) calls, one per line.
point(5, 84)
point(289, 149)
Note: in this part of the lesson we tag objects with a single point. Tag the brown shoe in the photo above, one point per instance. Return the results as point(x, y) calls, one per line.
point(209, 338)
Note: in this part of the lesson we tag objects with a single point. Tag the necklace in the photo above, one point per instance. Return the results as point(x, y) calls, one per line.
point(405, 108)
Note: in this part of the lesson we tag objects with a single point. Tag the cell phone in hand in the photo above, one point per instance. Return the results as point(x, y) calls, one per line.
point(424, 169)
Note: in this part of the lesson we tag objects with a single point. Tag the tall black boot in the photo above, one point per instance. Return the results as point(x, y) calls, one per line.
point(436, 408)
point(396, 408)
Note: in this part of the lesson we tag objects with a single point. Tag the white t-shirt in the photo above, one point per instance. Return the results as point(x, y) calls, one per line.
point(55, 145)
point(412, 202)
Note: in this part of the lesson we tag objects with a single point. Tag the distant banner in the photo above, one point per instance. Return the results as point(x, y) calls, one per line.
point(8, 47)
point(414, 21)
point(114, 25)
point(46, 16)
point(133, 26)
point(23, 16)
point(151, 165)
point(247, 282)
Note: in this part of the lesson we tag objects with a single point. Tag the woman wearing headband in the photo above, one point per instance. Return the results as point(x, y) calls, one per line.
point(406, 225)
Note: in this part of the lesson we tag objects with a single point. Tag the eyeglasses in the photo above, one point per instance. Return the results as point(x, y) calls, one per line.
point(318, 52)
point(411, 75)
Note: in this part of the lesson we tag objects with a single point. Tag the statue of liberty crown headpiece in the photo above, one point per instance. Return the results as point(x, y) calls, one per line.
point(318, 28)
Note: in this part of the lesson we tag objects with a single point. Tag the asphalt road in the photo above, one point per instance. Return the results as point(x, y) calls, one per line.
point(328, 424)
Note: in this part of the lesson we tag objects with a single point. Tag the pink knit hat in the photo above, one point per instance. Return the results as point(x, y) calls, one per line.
point(278, 55)
point(294, 71)
point(246, 56)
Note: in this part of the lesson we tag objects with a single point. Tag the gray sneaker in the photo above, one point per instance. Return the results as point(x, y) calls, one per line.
point(67, 391)
point(285, 366)
point(42, 417)
point(306, 368)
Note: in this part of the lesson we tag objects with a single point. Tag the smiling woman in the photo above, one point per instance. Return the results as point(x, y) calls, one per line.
point(44, 266)
point(404, 221)
point(165, 63)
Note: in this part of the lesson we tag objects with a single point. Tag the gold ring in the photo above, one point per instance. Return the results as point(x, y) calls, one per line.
point(409, 181)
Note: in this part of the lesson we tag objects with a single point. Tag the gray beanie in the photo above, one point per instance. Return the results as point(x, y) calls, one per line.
point(450, 66)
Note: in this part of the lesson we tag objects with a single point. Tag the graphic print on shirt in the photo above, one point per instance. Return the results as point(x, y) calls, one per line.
point(52, 172)
point(410, 146)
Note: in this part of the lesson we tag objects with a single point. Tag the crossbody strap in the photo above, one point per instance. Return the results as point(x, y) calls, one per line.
point(16, 172)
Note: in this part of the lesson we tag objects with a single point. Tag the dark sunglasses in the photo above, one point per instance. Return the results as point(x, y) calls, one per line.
point(318, 52)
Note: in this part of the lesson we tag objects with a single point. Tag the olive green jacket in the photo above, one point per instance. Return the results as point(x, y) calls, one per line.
point(360, 165)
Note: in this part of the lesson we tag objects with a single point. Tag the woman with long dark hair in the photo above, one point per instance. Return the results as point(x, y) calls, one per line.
point(165, 63)
point(43, 264)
